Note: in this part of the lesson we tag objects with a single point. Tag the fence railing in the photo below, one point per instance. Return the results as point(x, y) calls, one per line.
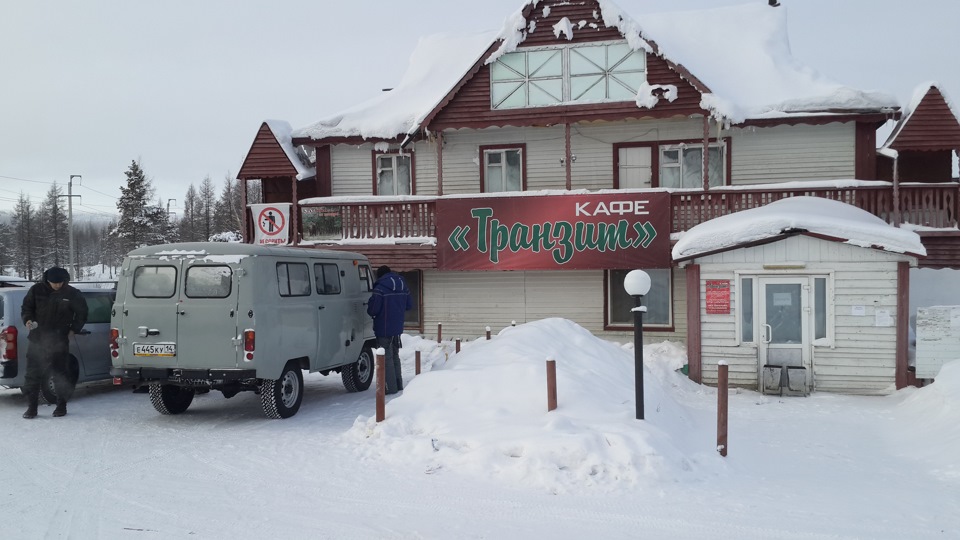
point(930, 205)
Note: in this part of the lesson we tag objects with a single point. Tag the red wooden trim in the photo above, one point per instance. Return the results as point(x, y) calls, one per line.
point(523, 162)
point(903, 321)
point(440, 164)
point(694, 351)
point(569, 153)
point(865, 152)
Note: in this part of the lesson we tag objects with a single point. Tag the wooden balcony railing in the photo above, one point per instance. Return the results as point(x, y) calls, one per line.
point(929, 205)
point(368, 220)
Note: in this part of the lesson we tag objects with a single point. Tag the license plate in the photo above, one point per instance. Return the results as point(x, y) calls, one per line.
point(154, 349)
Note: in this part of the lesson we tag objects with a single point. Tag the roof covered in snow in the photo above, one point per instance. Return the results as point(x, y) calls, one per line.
point(740, 56)
point(816, 215)
point(282, 131)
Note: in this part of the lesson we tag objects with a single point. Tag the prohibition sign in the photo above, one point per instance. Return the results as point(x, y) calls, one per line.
point(271, 221)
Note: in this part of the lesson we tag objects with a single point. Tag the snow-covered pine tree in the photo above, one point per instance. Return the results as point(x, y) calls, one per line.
point(22, 236)
point(140, 223)
point(227, 213)
point(208, 199)
point(189, 226)
point(54, 242)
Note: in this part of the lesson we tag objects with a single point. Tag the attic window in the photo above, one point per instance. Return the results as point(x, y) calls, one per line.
point(562, 75)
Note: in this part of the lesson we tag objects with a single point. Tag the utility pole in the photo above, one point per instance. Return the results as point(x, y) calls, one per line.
point(168, 206)
point(70, 197)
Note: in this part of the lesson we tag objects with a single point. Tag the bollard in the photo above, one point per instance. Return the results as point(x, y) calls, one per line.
point(722, 378)
point(551, 384)
point(488, 333)
point(458, 345)
point(439, 332)
point(417, 365)
point(381, 388)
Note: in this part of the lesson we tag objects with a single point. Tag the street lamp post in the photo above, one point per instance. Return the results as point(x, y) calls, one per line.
point(637, 284)
point(70, 196)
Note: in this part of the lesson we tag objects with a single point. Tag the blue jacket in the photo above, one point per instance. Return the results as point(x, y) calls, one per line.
point(390, 299)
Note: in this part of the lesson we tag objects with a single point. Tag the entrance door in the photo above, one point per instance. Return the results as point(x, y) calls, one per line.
point(784, 322)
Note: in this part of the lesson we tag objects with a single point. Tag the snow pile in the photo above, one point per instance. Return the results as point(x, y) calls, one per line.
point(933, 409)
point(484, 412)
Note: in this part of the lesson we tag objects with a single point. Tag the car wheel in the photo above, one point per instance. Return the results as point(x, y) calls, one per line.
point(170, 398)
point(281, 397)
point(358, 375)
point(48, 388)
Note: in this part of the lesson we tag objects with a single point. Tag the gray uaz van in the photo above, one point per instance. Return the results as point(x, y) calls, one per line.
point(232, 317)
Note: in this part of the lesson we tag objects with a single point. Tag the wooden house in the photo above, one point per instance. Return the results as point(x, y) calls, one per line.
point(520, 174)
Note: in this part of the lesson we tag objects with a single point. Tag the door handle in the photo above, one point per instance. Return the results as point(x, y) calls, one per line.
point(321, 307)
point(768, 333)
point(83, 332)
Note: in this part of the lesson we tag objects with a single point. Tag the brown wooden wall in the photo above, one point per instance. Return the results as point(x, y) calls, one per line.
point(266, 158)
point(943, 249)
point(932, 126)
point(398, 258)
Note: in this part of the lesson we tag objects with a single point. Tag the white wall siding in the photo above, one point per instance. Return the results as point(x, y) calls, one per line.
point(784, 153)
point(466, 302)
point(862, 356)
point(352, 170)
point(425, 158)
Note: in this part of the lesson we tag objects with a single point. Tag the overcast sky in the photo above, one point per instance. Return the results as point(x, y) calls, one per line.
point(182, 86)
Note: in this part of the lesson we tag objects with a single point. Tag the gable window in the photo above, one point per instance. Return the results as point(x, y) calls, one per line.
point(503, 169)
point(394, 174)
point(575, 74)
point(681, 166)
point(657, 301)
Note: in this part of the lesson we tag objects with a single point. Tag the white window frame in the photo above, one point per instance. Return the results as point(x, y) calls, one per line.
point(679, 166)
point(393, 168)
point(547, 72)
point(502, 152)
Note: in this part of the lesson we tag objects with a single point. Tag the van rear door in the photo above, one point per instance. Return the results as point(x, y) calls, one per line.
point(208, 336)
point(149, 313)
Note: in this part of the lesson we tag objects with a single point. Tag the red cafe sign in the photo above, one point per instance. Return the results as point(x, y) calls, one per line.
point(570, 232)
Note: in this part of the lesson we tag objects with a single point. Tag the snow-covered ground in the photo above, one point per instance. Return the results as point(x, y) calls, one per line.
point(468, 450)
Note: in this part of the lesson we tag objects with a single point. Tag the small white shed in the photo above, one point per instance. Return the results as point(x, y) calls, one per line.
point(800, 295)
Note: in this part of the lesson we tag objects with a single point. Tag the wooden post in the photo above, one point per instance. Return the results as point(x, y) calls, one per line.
point(488, 333)
point(551, 384)
point(722, 378)
point(381, 388)
point(458, 344)
point(439, 332)
point(417, 371)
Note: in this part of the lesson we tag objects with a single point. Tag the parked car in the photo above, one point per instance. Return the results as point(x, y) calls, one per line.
point(203, 316)
point(89, 349)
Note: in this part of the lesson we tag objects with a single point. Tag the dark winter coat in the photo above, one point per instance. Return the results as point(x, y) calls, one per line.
point(55, 312)
point(388, 303)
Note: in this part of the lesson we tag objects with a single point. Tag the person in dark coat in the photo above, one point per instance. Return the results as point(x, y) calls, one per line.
point(388, 303)
point(52, 311)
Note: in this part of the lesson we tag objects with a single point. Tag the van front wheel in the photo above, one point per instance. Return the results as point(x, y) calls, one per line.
point(281, 397)
point(358, 375)
point(170, 398)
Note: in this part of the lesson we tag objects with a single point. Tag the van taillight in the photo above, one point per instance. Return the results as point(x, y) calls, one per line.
point(10, 343)
point(115, 342)
point(249, 343)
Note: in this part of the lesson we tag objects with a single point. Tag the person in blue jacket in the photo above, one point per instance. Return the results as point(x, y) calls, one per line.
point(388, 303)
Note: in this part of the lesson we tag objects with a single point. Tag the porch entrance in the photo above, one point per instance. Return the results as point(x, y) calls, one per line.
point(785, 344)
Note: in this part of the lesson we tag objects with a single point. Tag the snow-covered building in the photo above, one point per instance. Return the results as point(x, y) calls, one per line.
point(520, 174)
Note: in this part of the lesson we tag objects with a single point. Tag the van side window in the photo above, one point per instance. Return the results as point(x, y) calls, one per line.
point(293, 279)
point(208, 282)
point(328, 278)
point(154, 281)
point(366, 277)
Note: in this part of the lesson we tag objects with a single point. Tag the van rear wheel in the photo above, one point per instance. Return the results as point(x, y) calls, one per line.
point(357, 376)
point(170, 398)
point(281, 397)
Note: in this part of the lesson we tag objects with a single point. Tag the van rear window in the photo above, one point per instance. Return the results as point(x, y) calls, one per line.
point(208, 281)
point(154, 281)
